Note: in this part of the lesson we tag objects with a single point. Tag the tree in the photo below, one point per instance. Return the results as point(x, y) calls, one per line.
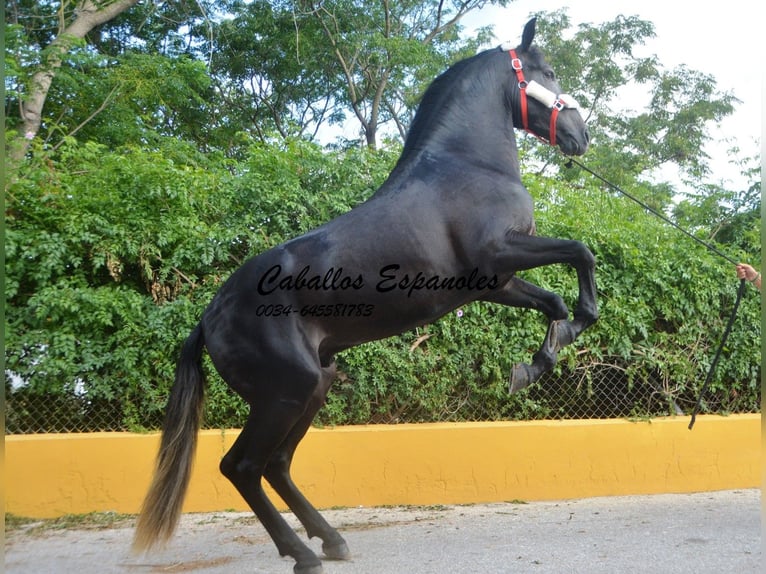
point(315, 64)
point(596, 63)
point(75, 22)
point(277, 84)
point(113, 87)
point(730, 216)
point(382, 52)
point(121, 226)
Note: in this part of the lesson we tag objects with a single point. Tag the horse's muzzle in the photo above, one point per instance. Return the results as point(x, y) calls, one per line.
point(574, 145)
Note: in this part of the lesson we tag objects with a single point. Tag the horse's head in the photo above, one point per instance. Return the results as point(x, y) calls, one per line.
point(537, 103)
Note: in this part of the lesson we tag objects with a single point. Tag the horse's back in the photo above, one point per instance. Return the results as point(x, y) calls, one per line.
point(353, 279)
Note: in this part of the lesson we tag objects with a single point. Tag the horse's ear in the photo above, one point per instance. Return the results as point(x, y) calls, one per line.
point(528, 35)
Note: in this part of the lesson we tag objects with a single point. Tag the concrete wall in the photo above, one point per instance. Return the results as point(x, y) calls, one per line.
point(51, 475)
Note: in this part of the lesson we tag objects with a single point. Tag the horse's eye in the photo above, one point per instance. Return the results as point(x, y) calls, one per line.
point(550, 75)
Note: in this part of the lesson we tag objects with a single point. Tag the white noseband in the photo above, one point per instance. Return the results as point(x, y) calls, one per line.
point(545, 96)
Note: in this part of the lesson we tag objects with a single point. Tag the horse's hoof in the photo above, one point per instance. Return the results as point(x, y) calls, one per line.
point(338, 551)
point(520, 378)
point(308, 569)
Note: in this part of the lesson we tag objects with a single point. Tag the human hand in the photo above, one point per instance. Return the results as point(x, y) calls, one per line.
point(745, 271)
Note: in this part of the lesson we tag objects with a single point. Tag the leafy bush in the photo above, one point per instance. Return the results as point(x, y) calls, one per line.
point(113, 254)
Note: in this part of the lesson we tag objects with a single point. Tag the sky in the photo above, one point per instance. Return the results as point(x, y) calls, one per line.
point(723, 40)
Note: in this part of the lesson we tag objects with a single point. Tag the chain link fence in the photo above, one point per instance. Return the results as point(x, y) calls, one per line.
point(603, 392)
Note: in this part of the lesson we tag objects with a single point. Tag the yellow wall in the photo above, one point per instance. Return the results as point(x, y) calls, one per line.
point(51, 475)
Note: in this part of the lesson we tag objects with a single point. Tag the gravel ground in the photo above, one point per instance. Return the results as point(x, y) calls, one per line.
point(710, 532)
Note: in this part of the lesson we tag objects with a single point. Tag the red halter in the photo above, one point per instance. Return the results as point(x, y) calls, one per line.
point(558, 105)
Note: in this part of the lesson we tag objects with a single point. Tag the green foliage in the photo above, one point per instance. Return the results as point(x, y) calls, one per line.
point(455, 369)
point(108, 273)
point(665, 299)
point(94, 274)
point(114, 248)
point(598, 63)
point(317, 64)
point(664, 304)
point(112, 255)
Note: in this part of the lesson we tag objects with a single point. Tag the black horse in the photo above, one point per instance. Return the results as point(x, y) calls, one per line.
point(452, 224)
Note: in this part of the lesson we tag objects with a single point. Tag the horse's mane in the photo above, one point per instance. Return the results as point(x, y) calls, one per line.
point(449, 86)
point(436, 99)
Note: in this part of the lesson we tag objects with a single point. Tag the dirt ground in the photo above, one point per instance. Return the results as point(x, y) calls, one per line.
point(667, 534)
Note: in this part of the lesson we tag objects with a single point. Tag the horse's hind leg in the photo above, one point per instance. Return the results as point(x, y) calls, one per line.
point(267, 427)
point(277, 472)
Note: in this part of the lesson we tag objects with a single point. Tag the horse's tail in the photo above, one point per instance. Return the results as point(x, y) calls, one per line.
point(162, 507)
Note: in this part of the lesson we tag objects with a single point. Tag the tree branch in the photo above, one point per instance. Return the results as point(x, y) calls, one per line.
point(98, 110)
point(88, 15)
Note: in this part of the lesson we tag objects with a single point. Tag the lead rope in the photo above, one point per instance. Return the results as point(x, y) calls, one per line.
point(697, 407)
point(740, 290)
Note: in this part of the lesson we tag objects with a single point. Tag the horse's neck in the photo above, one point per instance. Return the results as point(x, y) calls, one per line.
point(485, 145)
point(501, 160)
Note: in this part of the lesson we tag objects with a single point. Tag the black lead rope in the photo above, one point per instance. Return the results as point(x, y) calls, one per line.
point(740, 291)
point(647, 207)
point(697, 407)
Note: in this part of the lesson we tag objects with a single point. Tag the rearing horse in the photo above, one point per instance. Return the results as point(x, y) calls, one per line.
point(452, 224)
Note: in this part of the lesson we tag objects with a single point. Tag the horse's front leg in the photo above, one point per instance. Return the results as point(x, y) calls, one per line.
point(520, 293)
point(526, 252)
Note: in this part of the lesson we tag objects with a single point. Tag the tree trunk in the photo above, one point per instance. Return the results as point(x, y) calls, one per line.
point(88, 15)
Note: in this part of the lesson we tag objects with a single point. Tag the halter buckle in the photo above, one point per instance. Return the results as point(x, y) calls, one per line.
point(516, 64)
